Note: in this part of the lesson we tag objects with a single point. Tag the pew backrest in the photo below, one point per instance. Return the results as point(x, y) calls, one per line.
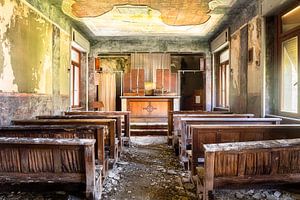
point(124, 114)
point(186, 123)
point(49, 160)
point(110, 123)
point(96, 132)
point(186, 113)
point(177, 118)
point(215, 134)
point(117, 118)
point(272, 161)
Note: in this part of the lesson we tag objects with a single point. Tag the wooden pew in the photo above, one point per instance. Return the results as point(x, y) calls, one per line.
point(124, 114)
point(63, 132)
point(215, 134)
point(186, 112)
point(259, 162)
point(41, 160)
point(117, 118)
point(185, 131)
point(177, 121)
point(110, 123)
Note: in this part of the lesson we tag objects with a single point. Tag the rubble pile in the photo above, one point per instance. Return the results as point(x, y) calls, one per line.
point(146, 173)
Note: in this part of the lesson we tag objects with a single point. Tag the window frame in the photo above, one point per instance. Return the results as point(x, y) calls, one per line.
point(76, 64)
point(283, 37)
point(220, 85)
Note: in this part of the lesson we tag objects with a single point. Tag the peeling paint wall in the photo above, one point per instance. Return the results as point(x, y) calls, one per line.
point(235, 63)
point(246, 75)
point(254, 71)
point(34, 60)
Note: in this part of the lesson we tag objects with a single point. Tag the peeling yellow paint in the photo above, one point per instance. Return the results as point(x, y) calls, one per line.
point(7, 76)
point(26, 42)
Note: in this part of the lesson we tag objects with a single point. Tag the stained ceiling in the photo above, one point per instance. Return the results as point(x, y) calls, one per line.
point(148, 17)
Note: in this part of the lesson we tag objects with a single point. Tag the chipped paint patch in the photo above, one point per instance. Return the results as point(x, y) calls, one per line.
point(7, 75)
point(26, 43)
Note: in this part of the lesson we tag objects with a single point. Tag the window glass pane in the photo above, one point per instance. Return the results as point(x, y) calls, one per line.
point(76, 86)
point(289, 99)
point(227, 85)
point(291, 20)
point(72, 87)
point(223, 85)
point(75, 56)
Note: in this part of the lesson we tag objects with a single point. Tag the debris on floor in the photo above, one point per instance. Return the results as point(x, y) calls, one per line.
point(252, 194)
point(153, 172)
point(149, 173)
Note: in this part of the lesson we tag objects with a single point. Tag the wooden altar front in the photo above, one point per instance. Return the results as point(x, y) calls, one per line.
point(150, 108)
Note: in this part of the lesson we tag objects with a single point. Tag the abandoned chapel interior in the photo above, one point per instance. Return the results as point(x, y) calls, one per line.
point(150, 99)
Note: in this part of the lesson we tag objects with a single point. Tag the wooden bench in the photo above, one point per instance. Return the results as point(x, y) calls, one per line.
point(41, 160)
point(117, 118)
point(124, 114)
point(111, 142)
point(191, 112)
point(259, 162)
point(215, 134)
point(63, 132)
point(185, 130)
point(177, 122)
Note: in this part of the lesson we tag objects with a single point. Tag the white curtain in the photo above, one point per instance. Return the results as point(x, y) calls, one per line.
point(107, 91)
point(150, 62)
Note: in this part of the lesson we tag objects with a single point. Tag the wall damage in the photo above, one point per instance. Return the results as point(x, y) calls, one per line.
point(34, 61)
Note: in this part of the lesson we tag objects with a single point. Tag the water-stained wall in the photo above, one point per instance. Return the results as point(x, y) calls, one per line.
point(245, 61)
point(246, 73)
point(34, 60)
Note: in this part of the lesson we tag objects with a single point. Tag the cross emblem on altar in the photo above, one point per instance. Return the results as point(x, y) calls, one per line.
point(150, 108)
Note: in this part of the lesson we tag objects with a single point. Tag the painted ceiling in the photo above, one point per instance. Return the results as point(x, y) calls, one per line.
point(147, 17)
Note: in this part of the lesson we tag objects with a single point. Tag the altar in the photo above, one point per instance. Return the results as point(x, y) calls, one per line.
point(150, 108)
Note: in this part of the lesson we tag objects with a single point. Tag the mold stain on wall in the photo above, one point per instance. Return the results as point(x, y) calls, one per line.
point(27, 48)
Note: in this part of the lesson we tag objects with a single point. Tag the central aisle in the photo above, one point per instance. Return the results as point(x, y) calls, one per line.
point(148, 173)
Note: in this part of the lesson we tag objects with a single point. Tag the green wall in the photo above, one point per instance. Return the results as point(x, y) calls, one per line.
point(26, 49)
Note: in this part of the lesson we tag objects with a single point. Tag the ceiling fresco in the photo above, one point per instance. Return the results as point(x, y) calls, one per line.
point(147, 17)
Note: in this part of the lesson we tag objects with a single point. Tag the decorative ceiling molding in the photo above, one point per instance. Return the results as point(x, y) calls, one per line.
point(148, 17)
point(173, 12)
